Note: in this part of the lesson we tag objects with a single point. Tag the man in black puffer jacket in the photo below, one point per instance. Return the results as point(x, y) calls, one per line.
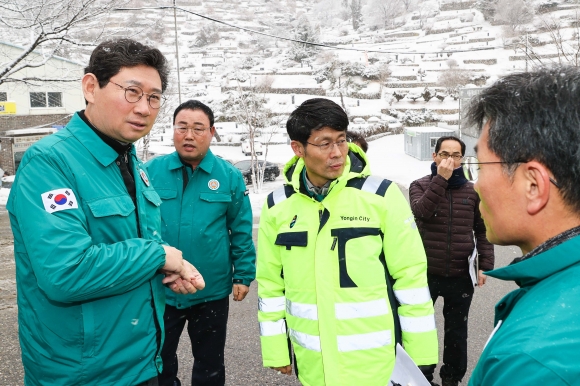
point(446, 209)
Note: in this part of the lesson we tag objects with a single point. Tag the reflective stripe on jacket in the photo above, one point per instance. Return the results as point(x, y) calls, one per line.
point(87, 283)
point(325, 270)
point(209, 220)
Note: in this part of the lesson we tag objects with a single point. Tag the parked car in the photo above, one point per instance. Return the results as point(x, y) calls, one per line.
point(270, 173)
point(247, 150)
point(392, 122)
point(7, 181)
point(225, 159)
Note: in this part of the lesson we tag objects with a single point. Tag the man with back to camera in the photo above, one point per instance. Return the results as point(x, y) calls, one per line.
point(527, 171)
point(206, 213)
point(446, 209)
point(341, 267)
point(86, 229)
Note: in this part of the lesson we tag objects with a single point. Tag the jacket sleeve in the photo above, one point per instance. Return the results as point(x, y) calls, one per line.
point(484, 247)
point(271, 299)
point(68, 265)
point(407, 265)
point(239, 223)
point(424, 201)
point(515, 369)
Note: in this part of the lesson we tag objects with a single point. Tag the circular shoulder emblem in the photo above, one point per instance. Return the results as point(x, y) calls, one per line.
point(213, 184)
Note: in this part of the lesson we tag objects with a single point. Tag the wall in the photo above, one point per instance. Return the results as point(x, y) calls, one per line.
point(10, 122)
point(55, 68)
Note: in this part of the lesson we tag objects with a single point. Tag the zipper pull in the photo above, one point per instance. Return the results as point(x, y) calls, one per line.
point(126, 157)
point(335, 239)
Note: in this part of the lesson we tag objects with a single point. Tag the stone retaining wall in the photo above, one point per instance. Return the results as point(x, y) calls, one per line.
point(11, 122)
point(457, 5)
point(480, 61)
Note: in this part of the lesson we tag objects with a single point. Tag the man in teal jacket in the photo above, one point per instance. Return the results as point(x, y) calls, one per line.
point(527, 177)
point(206, 213)
point(86, 228)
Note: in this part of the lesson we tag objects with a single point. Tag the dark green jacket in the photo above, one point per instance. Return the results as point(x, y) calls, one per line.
point(209, 220)
point(88, 289)
point(538, 340)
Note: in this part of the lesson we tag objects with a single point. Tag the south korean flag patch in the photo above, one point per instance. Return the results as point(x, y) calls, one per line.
point(59, 199)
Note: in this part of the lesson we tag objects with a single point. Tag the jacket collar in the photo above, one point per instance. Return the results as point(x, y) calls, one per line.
point(206, 163)
point(102, 152)
point(357, 165)
point(534, 269)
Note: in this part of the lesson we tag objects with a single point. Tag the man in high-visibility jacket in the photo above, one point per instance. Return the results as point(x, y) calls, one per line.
point(341, 267)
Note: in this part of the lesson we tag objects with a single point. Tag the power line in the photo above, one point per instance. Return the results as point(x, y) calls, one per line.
point(305, 42)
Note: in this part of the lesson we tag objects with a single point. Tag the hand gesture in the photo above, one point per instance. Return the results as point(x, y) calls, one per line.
point(481, 278)
point(240, 291)
point(180, 275)
point(445, 168)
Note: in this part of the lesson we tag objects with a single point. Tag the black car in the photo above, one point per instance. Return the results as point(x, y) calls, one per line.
point(270, 173)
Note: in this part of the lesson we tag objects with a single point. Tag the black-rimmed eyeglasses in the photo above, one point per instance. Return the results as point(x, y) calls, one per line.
point(471, 168)
point(328, 146)
point(133, 94)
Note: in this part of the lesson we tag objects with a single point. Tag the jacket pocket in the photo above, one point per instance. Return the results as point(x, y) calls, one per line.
point(166, 194)
point(152, 197)
point(215, 197)
point(88, 330)
point(292, 239)
point(112, 206)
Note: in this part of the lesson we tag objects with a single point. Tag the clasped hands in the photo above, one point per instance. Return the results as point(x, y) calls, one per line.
point(180, 275)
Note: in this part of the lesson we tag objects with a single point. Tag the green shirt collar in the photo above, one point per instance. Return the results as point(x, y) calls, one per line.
point(536, 268)
point(206, 163)
point(102, 152)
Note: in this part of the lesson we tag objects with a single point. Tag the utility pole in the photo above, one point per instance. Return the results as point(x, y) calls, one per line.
point(177, 51)
point(526, 52)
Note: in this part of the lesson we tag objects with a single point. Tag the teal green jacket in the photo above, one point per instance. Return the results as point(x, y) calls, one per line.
point(209, 220)
point(89, 296)
point(538, 340)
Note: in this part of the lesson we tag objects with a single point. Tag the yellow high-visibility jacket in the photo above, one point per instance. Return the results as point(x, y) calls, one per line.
point(333, 276)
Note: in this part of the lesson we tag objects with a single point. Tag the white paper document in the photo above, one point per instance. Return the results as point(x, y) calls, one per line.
point(474, 266)
point(406, 372)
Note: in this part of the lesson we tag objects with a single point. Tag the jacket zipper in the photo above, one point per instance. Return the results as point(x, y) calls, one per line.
point(448, 257)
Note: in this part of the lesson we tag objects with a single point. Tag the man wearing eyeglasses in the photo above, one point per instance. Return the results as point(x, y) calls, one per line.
point(341, 267)
point(206, 213)
point(89, 256)
point(527, 173)
point(446, 209)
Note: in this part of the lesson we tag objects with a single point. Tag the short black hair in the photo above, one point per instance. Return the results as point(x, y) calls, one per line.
point(314, 114)
point(112, 55)
point(535, 116)
point(357, 138)
point(193, 104)
point(447, 138)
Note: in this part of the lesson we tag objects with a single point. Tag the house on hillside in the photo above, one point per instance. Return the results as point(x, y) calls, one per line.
point(38, 102)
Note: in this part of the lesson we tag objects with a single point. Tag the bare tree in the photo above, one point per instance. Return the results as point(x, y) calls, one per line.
point(567, 47)
point(356, 13)
point(383, 12)
point(426, 10)
point(50, 25)
point(247, 105)
point(408, 4)
point(514, 13)
point(453, 79)
point(384, 73)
